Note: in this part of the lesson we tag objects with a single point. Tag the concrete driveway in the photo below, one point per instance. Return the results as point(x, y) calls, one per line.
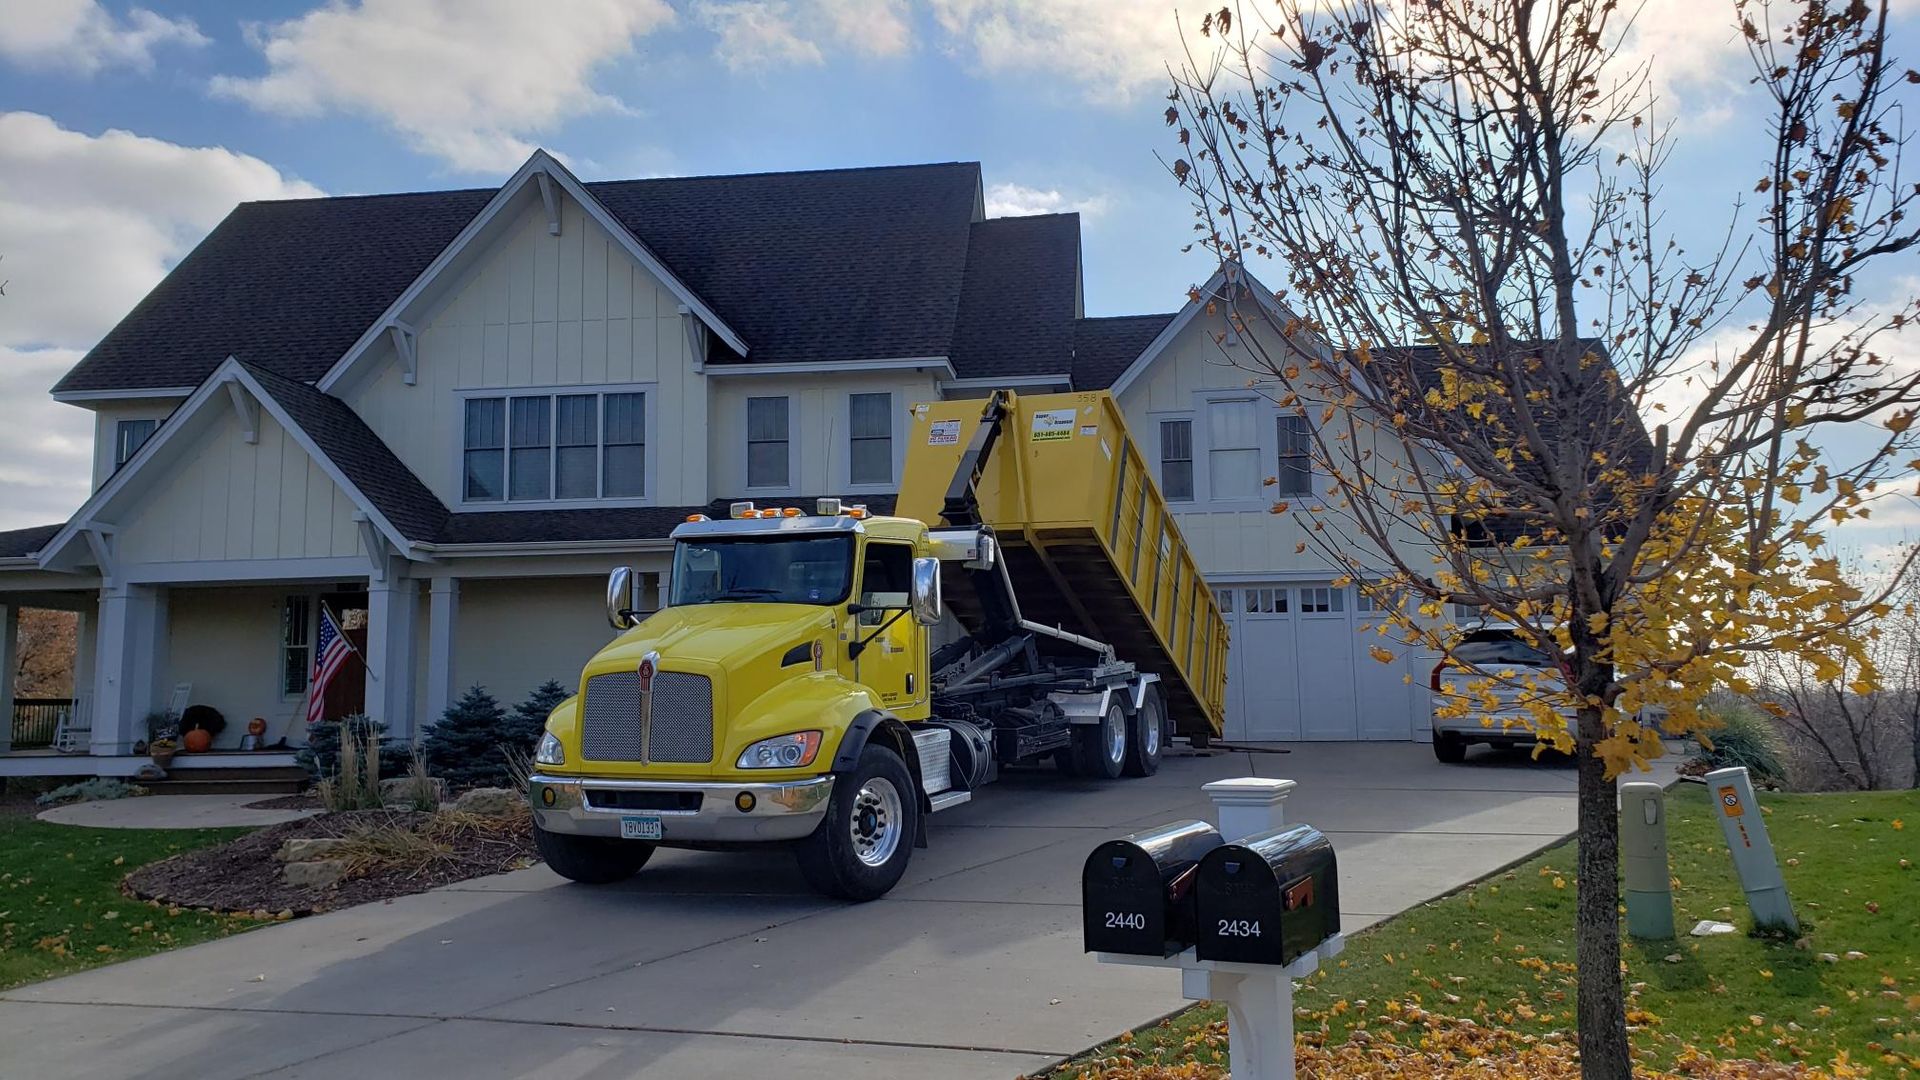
point(721, 965)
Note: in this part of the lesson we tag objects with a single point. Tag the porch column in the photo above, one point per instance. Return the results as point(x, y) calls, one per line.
point(391, 607)
point(85, 623)
point(132, 629)
point(9, 663)
point(442, 614)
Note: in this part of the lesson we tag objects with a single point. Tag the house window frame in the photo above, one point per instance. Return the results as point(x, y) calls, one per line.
point(1282, 454)
point(650, 471)
point(747, 444)
point(310, 627)
point(845, 474)
point(1203, 449)
point(120, 428)
point(1160, 422)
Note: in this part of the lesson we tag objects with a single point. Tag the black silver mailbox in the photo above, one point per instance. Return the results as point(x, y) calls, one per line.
point(1136, 893)
point(1267, 899)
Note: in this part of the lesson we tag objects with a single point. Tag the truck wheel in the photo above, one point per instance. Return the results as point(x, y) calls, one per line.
point(591, 860)
point(1450, 749)
point(861, 849)
point(1100, 750)
point(1146, 734)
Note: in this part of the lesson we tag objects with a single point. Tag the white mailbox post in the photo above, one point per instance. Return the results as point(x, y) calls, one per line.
point(1259, 997)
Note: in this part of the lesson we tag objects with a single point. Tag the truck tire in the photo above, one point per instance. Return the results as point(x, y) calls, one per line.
point(1450, 749)
point(1100, 750)
point(1146, 734)
point(591, 860)
point(862, 847)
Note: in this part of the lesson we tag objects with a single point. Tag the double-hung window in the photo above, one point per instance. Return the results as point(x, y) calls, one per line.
point(767, 442)
point(296, 645)
point(1176, 460)
point(870, 435)
point(1295, 440)
point(546, 447)
point(129, 436)
point(1233, 449)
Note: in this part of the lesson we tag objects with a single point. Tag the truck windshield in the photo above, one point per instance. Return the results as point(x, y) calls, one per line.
point(769, 570)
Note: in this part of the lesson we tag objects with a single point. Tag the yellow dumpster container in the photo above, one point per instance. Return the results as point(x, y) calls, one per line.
point(1085, 535)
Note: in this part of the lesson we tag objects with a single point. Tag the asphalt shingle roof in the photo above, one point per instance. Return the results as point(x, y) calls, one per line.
point(1021, 295)
point(1104, 348)
point(15, 543)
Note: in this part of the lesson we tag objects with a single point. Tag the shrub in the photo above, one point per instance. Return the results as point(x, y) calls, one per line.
point(321, 756)
point(464, 747)
point(355, 782)
point(529, 718)
point(1746, 736)
point(161, 725)
point(100, 787)
point(419, 789)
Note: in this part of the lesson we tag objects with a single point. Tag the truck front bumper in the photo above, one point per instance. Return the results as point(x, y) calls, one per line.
point(687, 812)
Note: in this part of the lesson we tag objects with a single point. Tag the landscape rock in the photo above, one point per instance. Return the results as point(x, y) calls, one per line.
point(307, 849)
point(488, 801)
point(396, 790)
point(317, 874)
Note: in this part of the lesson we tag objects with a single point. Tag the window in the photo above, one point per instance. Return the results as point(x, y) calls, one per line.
point(1176, 460)
point(886, 583)
point(1233, 450)
point(1267, 601)
point(1323, 600)
point(1295, 475)
point(296, 645)
point(539, 447)
point(804, 569)
point(870, 427)
point(129, 436)
point(766, 442)
point(1223, 599)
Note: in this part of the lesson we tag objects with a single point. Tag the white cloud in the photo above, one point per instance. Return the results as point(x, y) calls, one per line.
point(88, 224)
point(1017, 200)
point(757, 34)
point(1113, 51)
point(82, 36)
point(468, 81)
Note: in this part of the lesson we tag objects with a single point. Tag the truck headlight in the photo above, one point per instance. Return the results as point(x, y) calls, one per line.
point(549, 752)
point(785, 752)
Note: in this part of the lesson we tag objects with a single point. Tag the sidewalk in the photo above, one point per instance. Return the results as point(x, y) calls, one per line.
point(171, 812)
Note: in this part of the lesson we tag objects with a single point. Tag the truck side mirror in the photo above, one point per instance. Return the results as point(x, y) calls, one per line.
point(927, 607)
point(623, 598)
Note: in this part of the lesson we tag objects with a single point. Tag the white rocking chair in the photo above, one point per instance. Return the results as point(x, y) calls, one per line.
point(73, 732)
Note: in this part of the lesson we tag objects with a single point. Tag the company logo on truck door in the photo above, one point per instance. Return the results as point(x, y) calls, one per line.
point(1052, 424)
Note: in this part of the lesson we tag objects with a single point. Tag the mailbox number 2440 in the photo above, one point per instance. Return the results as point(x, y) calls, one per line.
point(1239, 928)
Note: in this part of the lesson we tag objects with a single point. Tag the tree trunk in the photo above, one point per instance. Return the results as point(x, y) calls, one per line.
point(1604, 1052)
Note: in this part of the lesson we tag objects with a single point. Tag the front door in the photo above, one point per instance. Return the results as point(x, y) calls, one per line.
point(890, 664)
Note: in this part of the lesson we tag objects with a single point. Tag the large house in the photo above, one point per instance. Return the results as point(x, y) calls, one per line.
point(444, 416)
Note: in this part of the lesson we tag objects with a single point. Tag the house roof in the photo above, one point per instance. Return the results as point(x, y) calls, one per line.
point(1104, 348)
point(18, 543)
point(845, 264)
point(1020, 297)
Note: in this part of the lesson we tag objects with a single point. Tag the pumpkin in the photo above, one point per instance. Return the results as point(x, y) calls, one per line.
point(198, 741)
point(256, 726)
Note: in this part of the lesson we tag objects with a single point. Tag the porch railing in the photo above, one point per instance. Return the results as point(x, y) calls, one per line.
point(34, 721)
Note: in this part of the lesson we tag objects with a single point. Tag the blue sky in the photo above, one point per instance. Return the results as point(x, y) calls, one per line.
point(1061, 100)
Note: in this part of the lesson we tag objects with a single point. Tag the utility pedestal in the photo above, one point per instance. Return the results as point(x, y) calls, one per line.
point(1746, 832)
point(1259, 997)
point(1643, 857)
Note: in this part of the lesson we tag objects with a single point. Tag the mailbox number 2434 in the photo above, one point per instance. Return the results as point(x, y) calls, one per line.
point(1239, 928)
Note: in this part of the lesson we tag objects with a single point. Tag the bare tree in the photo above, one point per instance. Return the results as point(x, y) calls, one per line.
point(1482, 303)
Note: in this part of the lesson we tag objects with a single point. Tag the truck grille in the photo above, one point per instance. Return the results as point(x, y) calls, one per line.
point(682, 718)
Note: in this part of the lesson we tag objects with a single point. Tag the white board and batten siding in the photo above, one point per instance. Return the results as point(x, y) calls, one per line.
point(818, 428)
point(543, 311)
point(221, 498)
point(1300, 666)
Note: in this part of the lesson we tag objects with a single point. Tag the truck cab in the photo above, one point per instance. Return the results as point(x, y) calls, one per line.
point(775, 688)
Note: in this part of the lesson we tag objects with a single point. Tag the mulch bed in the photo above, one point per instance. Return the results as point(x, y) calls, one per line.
point(244, 875)
point(306, 800)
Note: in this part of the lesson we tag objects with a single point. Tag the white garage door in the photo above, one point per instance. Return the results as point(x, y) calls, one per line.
point(1301, 669)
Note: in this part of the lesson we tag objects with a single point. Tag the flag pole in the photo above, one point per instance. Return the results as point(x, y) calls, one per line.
point(341, 627)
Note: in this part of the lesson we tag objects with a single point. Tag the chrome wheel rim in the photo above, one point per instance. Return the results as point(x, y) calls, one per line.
point(1116, 734)
point(1151, 718)
point(876, 822)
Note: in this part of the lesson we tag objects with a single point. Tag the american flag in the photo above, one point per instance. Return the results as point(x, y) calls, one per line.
point(328, 658)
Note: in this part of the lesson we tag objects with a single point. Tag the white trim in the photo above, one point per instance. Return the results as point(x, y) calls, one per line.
point(840, 471)
point(406, 345)
point(1229, 273)
point(939, 364)
point(245, 409)
point(74, 397)
point(551, 547)
point(792, 486)
point(540, 164)
point(550, 201)
point(320, 570)
point(1002, 381)
point(230, 370)
point(649, 481)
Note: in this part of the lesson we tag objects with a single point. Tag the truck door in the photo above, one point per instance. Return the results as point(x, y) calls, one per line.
point(891, 664)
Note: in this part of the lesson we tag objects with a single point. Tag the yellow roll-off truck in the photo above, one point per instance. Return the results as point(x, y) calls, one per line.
point(791, 691)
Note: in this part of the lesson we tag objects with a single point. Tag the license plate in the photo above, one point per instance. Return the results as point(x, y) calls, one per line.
point(639, 828)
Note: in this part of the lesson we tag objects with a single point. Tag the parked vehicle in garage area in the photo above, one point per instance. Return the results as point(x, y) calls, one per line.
point(1513, 670)
point(791, 691)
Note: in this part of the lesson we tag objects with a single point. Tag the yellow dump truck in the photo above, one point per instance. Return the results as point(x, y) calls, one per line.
point(824, 679)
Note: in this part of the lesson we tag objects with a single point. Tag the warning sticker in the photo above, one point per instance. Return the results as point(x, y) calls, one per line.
point(1730, 802)
point(944, 433)
point(1089, 429)
point(1052, 424)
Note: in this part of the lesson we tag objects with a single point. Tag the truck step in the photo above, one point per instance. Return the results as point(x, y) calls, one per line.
point(947, 800)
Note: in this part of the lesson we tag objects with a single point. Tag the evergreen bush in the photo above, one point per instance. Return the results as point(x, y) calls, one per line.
point(529, 718)
point(464, 747)
point(1746, 737)
point(321, 756)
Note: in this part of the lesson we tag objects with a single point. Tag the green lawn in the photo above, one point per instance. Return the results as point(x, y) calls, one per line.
point(61, 909)
point(1501, 951)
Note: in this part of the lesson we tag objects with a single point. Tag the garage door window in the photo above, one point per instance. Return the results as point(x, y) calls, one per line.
point(1224, 598)
point(1267, 601)
point(1321, 600)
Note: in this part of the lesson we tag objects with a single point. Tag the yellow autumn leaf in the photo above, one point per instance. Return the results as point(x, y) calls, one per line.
point(1380, 654)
